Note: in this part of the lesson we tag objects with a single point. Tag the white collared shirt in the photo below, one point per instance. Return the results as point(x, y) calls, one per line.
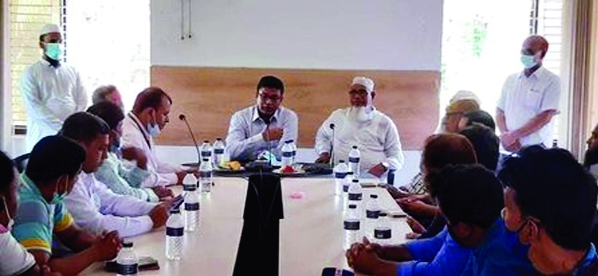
point(50, 95)
point(244, 139)
point(377, 139)
point(523, 98)
point(135, 135)
point(14, 259)
point(96, 209)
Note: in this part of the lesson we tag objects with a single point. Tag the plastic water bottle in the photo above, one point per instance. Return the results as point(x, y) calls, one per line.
point(188, 181)
point(191, 210)
point(355, 196)
point(372, 211)
point(346, 183)
point(383, 231)
point(175, 229)
point(205, 151)
point(127, 262)
point(340, 172)
point(294, 147)
point(354, 160)
point(205, 176)
point(287, 154)
point(218, 152)
point(351, 223)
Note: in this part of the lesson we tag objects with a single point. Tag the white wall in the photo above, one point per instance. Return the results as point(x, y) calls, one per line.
point(316, 34)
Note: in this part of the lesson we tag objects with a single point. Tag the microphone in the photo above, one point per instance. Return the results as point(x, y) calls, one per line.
point(183, 118)
point(332, 147)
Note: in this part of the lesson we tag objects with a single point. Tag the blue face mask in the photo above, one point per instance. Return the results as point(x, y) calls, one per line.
point(54, 51)
point(528, 61)
point(154, 130)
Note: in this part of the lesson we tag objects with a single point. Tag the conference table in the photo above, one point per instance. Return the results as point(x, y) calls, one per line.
point(311, 233)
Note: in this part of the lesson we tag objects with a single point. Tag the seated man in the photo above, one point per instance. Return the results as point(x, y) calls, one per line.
point(479, 117)
point(148, 117)
point(550, 202)
point(590, 161)
point(93, 205)
point(50, 174)
point(14, 259)
point(485, 143)
point(107, 93)
point(121, 179)
point(264, 126)
point(462, 102)
point(361, 125)
point(474, 242)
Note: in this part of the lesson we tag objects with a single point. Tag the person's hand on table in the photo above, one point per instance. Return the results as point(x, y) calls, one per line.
point(365, 258)
point(396, 193)
point(163, 192)
point(107, 246)
point(377, 170)
point(417, 207)
point(323, 158)
point(159, 214)
point(45, 270)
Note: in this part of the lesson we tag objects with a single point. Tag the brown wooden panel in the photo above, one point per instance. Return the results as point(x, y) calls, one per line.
point(209, 96)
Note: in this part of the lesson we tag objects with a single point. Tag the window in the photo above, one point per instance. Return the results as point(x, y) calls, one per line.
point(482, 42)
point(105, 42)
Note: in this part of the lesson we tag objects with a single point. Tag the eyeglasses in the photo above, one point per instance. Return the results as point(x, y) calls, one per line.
point(272, 98)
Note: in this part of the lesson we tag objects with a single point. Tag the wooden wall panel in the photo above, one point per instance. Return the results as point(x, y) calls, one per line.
point(209, 96)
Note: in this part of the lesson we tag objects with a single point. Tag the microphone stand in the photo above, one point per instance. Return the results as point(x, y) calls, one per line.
point(184, 119)
point(331, 162)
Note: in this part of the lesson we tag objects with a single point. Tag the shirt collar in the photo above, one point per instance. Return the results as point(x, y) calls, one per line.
point(138, 123)
point(48, 64)
point(256, 115)
point(538, 74)
point(587, 260)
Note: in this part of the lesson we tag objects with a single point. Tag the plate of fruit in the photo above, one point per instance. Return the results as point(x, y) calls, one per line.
point(293, 170)
point(229, 167)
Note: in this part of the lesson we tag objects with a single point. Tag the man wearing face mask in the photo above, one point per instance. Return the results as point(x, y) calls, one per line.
point(528, 100)
point(42, 215)
point(14, 259)
point(361, 125)
point(51, 90)
point(93, 205)
point(124, 178)
point(550, 202)
point(149, 116)
point(264, 126)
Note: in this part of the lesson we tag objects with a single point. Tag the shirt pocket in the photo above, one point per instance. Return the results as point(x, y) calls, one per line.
point(533, 98)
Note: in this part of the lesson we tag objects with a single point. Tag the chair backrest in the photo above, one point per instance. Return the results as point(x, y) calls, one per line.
point(21, 162)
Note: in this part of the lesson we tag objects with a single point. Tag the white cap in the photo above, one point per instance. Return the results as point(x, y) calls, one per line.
point(465, 95)
point(50, 28)
point(366, 82)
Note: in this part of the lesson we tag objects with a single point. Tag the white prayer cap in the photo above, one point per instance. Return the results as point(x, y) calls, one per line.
point(50, 28)
point(465, 95)
point(366, 82)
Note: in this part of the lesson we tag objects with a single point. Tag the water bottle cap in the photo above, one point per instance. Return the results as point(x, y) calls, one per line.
point(175, 211)
point(218, 139)
point(127, 244)
point(352, 206)
point(341, 161)
point(355, 180)
point(373, 196)
point(206, 141)
point(349, 172)
point(355, 147)
point(382, 214)
point(205, 159)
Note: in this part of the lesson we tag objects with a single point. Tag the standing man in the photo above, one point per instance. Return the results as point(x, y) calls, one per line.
point(529, 100)
point(51, 90)
point(147, 119)
point(264, 126)
point(361, 125)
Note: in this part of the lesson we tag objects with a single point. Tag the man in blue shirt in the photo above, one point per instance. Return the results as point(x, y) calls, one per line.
point(550, 202)
point(474, 242)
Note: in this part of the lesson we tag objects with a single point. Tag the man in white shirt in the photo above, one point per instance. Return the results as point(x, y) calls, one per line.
point(147, 119)
point(361, 125)
point(264, 126)
point(51, 90)
point(529, 100)
point(93, 206)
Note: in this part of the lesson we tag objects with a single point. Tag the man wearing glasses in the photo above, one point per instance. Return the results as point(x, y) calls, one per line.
point(264, 126)
point(362, 125)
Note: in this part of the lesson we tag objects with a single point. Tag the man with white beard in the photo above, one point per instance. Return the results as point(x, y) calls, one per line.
point(361, 125)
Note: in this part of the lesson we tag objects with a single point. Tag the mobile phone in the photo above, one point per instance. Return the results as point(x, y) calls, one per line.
point(333, 271)
point(145, 263)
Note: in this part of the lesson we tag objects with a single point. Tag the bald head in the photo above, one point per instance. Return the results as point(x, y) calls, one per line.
point(534, 44)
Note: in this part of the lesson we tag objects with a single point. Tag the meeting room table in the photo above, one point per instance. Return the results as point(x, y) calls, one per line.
point(311, 233)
